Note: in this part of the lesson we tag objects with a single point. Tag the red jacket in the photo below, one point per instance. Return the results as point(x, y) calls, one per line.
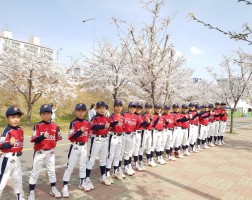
point(130, 122)
point(203, 118)
point(49, 142)
point(223, 115)
point(150, 125)
point(211, 118)
point(9, 132)
point(98, 124)
point(118, 128)
point(217, 114)
point(75, 134)
point(169, 125)
point(158, 122)
point(195, 119)
point(185, 123)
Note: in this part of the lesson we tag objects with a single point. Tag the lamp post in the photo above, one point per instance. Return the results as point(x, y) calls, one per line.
point(85, 20)
point(58, 54)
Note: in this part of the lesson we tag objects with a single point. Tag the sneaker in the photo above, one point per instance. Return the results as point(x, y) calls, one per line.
point(31, 195)
point(138, 167)
point(153, 164)
point(195, 150)
point(149, 163)
point(110, 179)
point(128, 171)
point(89, 184)
point(205, 146)
point(54, 192)
point(142, 166)
point(120, 171)
point(216, 143)
point(104, 180)
point(64, 191)
point(220, 143)
point(117, 175)
point(131, 169)
point(163, 161)
point(186, 153)
point(172, 158)
point(211, 144)
point(199, 148)
point(223, 142)
point(84, 186)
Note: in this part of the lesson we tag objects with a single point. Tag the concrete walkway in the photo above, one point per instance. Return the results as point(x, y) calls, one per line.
point(216, 173)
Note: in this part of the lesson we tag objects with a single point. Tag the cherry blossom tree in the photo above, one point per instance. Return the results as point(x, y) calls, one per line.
point(234, 79)
point(34, 76)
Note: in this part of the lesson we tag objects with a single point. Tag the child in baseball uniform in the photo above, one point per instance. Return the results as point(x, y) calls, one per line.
point(78, 136)
point(45, 136)
point(193, 130)
point(203, 120)
point(100, 126)
point(217, 113)
point(11, 146)
point(211, 126)
point(185, 129)
point(115, 142)
point(223, 119)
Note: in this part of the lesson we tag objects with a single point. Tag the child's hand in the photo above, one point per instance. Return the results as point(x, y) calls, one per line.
point(82, 129)
point(46, 134)
point(107, 125)
point(12, 141)
point(120, 120)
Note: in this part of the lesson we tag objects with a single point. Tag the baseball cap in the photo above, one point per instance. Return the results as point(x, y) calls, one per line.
point(46, 108)
point(139, 105)
point(118, 103)
point(132, 104)
point(158, 105)
point(100, 104)
point(204, 106)
point(80, 106)
point(167, 107)
point(184, 106)
point(148, 105)
point(217, 103)
point(197, 106)
point(175, 105)
point(13, 111)
point(210, 105)
point(223, 104)
point(191, 104)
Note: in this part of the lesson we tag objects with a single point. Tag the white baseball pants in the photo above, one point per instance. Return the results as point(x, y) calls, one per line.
point(136, 143)
point(146, 142)
point(176, 139)
point(114, 150)
point(203, 132)
point(185, 136)
point(10, 168)
point(128, 140)
point(156, 140)
point(217, 128)
point(222, 128)
point(43, 157)
point(76, 154)
point(166, 139)
point(211, 129)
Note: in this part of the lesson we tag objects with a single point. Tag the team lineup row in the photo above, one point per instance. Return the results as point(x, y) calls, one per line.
point(122, 137)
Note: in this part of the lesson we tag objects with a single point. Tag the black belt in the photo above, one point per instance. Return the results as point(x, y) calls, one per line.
point(117, 134)
point(184, 128)
point(46, 149)
point(17, 154)
point(223, 120)
point(80, 143)
point(128, 133)
point(139, 131)
point(103, 136)
point(170, 129)
point(158, 130)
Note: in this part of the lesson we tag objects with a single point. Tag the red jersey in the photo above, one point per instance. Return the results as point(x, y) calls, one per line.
point(223, 115)
point(75, 134)
point(203, 118)
point(49, 142)
point(118, 128)
point(150, 125)
point(217, 114)
point(9, 132)
point(158, 122)
point(169, 117)
point(177, 116)
point(195, 119)
point(139, 121)
point(185, 123)
point(130, 122)
point(211, 118)
point(98, 124)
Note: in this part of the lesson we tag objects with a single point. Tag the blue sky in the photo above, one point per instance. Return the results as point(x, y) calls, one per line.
point(58, 23)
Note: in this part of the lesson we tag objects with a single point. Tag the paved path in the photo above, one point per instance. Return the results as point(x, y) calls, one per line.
point(216, 173)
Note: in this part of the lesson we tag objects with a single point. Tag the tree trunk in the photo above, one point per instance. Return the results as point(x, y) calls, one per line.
point(231, 121)
point(29, 112)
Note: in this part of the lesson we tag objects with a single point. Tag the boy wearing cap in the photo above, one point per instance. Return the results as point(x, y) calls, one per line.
point(157, 134)
point(203, 120)
point(146, 138)
point(211, 126)
point(217, 113)
point(223, 119)
point(193, 130)
point(185, 129)
point(167, 133)
point(115, 142)
point(130, 123)
point(78, 136)
point(11, 146)
point(99, 143)
point(45, 136)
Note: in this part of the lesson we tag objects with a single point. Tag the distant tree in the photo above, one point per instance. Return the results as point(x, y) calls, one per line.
point(34, 76)
point(234, 79)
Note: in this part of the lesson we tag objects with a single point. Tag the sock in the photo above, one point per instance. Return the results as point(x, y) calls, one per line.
point(157, 154)
point(126, 162)
point(171, 149)
point(53, 184)
point(81, 180)
point(151, 155)
point(211, 139)
point(167, 151)
point(221, 138)
point(218, 137)
point(115, 168)
point(107, 171)
point(129, 160)
point(88, 172)
point(31, 187)
point(148, 156)
point(103, 170)
point(140, 158)
point(65, 183)
point(215, 138)
point(120, 164)
point(176, 148)
point(186, 146)
point(192, 145)
point(135, 159)
point(199, 141)
point(183, 147)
